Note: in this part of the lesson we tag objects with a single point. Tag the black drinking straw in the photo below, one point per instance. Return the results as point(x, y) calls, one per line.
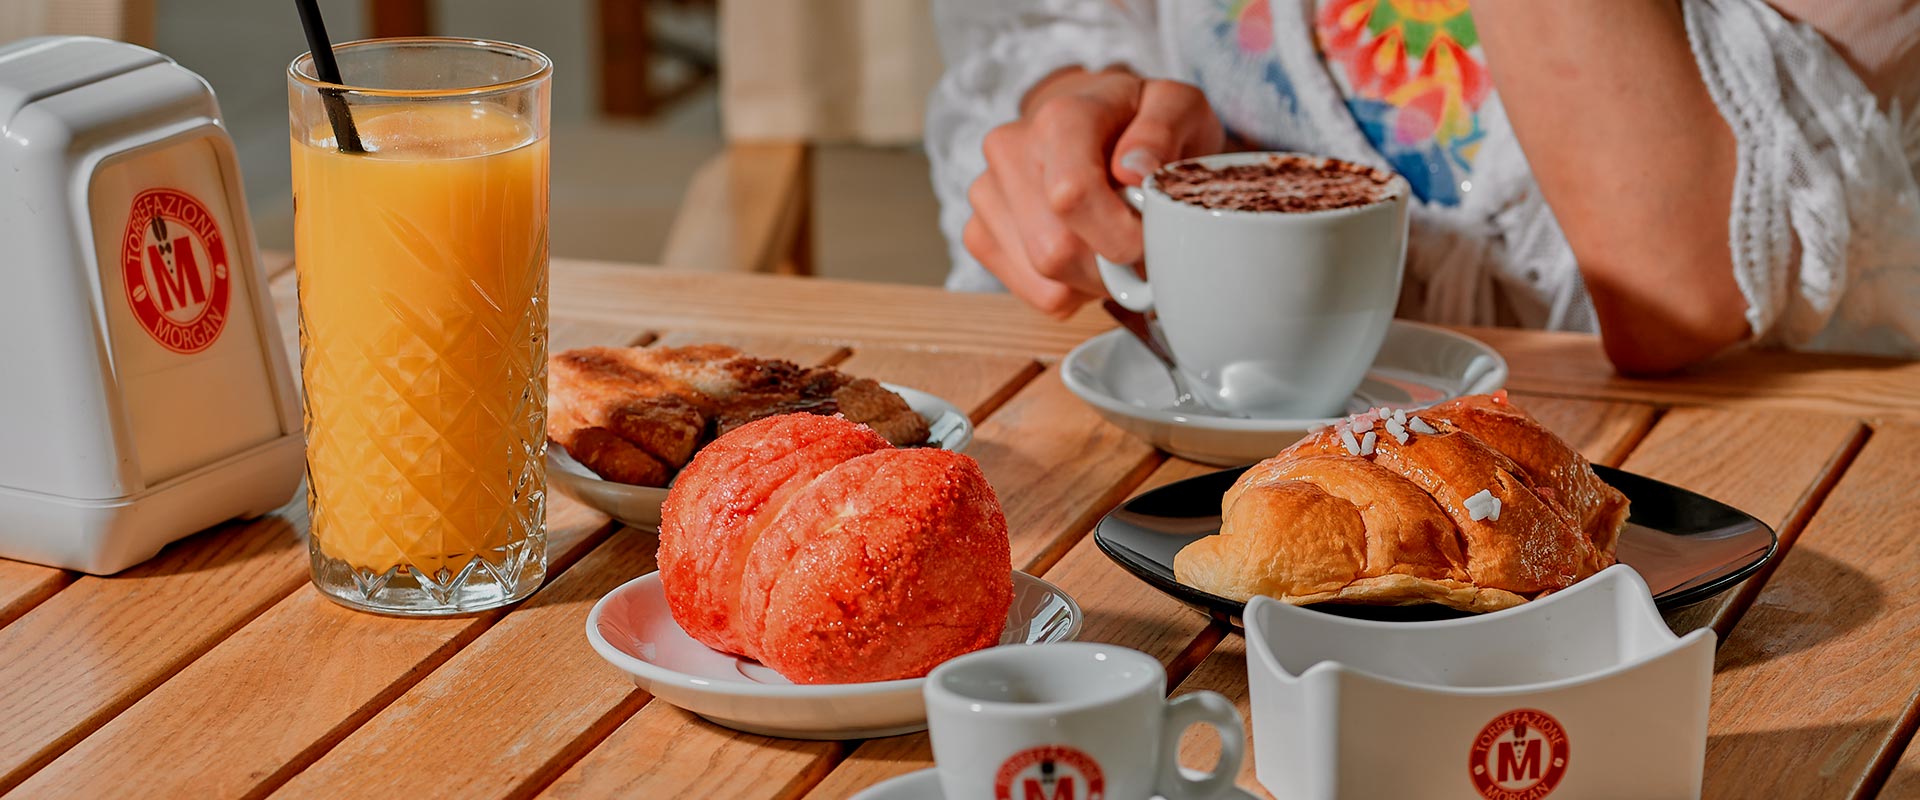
point(328, 71)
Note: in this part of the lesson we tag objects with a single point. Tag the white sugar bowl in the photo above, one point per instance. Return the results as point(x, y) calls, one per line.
point(1584, 693)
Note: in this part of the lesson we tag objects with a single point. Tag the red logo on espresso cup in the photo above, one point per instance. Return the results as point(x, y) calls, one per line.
point(1050, 772)
point(175, 264)
point(1520, 755)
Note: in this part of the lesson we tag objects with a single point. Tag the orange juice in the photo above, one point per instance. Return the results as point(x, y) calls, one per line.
point(423, 317)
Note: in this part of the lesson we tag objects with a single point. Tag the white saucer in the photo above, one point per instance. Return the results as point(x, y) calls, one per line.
point(925, 785)
point(1418, 365)
point(639, 506)
point(632, 629)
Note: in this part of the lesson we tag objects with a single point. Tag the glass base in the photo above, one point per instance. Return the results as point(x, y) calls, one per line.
point(484, 583)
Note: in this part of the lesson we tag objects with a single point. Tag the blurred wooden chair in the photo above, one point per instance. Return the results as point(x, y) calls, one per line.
point(125, 20)
point(795, 73)
point(748, 209)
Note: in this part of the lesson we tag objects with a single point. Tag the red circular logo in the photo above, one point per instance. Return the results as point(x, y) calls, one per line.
point(175, 264)
point(1520, 755)
point(1049, 772)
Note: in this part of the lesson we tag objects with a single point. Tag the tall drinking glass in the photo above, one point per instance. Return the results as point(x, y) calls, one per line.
point(423, 322)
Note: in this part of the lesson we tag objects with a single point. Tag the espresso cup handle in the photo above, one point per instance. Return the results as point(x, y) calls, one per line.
point(1194, 708)
point(1127, 289)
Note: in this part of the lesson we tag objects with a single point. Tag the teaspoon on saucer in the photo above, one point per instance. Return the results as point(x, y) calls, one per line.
point(1148, 332)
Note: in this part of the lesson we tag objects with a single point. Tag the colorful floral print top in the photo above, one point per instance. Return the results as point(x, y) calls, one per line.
point(1236, 65)
point(1414, 79)
point(1409, 72)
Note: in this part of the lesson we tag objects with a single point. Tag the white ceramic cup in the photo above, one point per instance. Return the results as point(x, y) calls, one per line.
point(1071, 721)
point(1269, 313)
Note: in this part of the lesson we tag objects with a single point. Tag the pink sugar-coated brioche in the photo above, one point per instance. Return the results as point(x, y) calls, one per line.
point(898, 561)
point(713, 514)
point(809, 544)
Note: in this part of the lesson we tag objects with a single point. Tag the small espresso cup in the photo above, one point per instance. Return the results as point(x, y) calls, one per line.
point(1071, 721)
point(1269, 313)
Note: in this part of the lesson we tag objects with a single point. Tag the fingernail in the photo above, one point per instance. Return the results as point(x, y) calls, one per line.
point(1142, 163)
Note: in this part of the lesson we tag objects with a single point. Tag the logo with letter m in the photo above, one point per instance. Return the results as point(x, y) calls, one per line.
point(176, 271)
point(1518, 761)
point(1520, 755)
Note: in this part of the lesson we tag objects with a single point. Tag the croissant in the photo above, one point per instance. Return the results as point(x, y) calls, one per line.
point(1471, 504)
point(812, 545)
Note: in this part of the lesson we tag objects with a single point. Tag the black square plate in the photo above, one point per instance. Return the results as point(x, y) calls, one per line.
point(1687, 547)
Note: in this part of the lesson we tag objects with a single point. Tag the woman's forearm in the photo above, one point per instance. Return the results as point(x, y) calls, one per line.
point(1635, 161)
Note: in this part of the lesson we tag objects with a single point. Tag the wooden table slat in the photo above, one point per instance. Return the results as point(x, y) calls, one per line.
point(1569, 364)
point(978, 384)
point(335, 666)
point(1814, 692)
point(91, 650)
point(1905, 780)
point(23, 586)
point(1603, 431)
point(1788, 461)
point(815, 308)
point(528, 697)
point(1057, 467)
point(666, 752)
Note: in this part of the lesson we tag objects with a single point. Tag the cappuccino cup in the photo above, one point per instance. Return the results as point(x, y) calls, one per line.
point(1275, 299)
point(1071, 721)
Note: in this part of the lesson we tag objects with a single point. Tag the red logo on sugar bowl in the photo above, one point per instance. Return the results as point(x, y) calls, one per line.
point(1520, 755)
point(175, 264)
point(1049, 772)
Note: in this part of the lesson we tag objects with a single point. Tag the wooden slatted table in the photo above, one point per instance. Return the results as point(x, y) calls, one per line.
point(215, 670)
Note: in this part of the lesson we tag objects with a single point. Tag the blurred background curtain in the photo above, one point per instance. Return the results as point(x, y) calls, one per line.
point(826, 70)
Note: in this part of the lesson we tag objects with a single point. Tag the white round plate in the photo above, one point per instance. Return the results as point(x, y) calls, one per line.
point(925, 785)
point(639, 506)
point(1418, 365)
point(633, 629)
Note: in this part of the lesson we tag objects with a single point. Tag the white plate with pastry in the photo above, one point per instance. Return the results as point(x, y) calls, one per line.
point(1468, 506)
point(623, 421)
point(633, 630)
point(811, 574)
point(1417, 365)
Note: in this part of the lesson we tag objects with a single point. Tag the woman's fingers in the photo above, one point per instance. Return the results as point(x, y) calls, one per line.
point(993, 238)
point(1174, 122)
point(1069, 148)
point(1056, 252)
point(1048, 200)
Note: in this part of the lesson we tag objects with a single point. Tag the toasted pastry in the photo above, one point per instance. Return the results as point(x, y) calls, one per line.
point(1392, 509)
point(636, 415)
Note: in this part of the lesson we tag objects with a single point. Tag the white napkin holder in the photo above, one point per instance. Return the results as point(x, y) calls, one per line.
point(146, 392)
point(1584, 693)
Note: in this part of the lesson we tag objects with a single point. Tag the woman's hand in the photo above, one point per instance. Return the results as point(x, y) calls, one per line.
point(1046, 203)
